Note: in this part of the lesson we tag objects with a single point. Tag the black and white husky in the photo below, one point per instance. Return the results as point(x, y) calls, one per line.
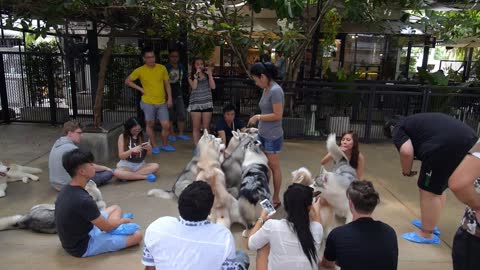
point(41, 218)
point(333, 185)
point(254, 187)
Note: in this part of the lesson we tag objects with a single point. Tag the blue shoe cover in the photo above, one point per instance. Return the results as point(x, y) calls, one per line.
point(414, 237)
point(418, 223)
point(126, 229)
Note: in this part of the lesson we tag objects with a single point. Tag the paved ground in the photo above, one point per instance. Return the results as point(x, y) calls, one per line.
point(30, 144)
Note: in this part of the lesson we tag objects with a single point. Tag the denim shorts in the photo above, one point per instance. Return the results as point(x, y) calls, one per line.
point(132, 166)
point(103, 242)
point(271, 146)
point(155, 111)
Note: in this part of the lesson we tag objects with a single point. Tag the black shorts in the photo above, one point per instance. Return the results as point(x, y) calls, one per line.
point(436, 170)
point(204, 110)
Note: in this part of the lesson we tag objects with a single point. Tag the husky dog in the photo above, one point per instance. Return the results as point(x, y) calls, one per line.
point(41, 218)
point(225, 209)
point(327, 214)
point(189, 174)
point(333, 185)
point(232, 166)
point(254, 187)
point(15, 172)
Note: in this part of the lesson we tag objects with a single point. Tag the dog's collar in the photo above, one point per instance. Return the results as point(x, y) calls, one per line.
point(193, 223)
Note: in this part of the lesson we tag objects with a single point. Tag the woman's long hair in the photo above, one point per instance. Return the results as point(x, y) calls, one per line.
point(297, 200)
point(194, 70)
point(127, 126)
point(355, 151)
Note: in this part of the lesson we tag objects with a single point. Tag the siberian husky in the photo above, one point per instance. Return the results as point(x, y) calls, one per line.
point(333, 185)
point(189, 173)
point(41, 218)
point(254, 187)
point(14, 173)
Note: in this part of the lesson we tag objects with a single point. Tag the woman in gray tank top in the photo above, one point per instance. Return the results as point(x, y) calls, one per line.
point(132, 150)
point(270, 120)
point(270, 132)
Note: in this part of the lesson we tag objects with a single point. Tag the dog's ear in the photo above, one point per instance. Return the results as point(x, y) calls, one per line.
point(205, 132)
point(235, 134)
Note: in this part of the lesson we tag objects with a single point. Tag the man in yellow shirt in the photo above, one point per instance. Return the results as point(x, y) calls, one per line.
point(156, 97)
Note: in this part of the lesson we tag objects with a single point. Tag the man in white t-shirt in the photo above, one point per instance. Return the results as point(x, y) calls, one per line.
point(191, 241)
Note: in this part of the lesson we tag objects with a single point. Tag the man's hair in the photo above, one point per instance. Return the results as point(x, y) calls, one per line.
point(228, 108)
point(173, 50)
point(71, 126)
point(147, 49)
point(390, 124)
point(363, 196)
point(195, 201)
point(74, 159)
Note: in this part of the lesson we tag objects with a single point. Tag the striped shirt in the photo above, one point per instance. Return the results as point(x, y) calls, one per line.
point(201, 98)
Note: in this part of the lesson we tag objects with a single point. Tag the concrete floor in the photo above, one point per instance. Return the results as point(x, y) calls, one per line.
point(30, 144)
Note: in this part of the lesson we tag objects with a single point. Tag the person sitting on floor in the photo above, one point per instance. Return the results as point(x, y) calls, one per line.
point(227, 124)
point(59, 177)
point(363, 243)
point(82, 228)
point(191, 241)
point(132, 150)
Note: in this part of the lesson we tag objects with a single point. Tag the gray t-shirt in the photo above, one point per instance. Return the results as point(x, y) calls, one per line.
point(273, 129)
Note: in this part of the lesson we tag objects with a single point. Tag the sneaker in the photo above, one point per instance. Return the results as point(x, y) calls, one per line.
point(172, 138)
point(183, 137)
point(151, 177)
point(414, 237)
point(168, 148)
point(418, 223)
point(155, 150)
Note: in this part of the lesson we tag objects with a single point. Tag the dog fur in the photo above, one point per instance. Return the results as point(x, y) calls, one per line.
point(41, 218)
point(189, 173)
point(333, 185)
point(232, 166)
point(14, 173)
point(327, 214)
point(254, 187)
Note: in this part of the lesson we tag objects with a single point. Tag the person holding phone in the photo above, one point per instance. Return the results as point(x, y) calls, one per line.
point(132, 150)
point(201, 102)
point(293, 242)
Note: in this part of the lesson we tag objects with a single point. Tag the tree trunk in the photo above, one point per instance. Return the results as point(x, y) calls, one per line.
point(97, 110)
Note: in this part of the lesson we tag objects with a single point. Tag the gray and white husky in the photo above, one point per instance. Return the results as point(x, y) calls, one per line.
point(232, 166)
point(254, 187)
point(41, 218)
point(333, 185)
point(207, 144)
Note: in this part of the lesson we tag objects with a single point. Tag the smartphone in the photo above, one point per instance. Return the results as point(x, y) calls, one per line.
point(268, 206)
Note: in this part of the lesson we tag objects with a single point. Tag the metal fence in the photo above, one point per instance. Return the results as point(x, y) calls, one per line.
point(46, 88)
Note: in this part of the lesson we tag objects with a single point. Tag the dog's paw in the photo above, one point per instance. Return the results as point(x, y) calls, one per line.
point(36, 178)
point(2, 193)
point(245, 234)
point(25, 179)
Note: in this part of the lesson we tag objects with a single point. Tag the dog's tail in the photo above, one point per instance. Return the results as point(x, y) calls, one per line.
point(332, 148)
point(11, 222)
point(160, 193)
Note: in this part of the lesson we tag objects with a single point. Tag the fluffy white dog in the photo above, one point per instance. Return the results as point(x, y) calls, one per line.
point(14, 173)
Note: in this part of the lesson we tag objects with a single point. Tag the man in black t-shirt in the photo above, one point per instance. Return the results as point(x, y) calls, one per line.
point(227, 124)
point(442, 143)
point(363, 243)
point(81, 227)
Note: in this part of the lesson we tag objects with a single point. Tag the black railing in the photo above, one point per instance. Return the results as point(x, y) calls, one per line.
point(62, 89)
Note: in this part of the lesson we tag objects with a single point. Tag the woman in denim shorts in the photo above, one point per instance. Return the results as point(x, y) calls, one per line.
point(270, 121)
point(132, 149)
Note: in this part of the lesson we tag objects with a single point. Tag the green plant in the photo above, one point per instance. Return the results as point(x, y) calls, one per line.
point(38, 58)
